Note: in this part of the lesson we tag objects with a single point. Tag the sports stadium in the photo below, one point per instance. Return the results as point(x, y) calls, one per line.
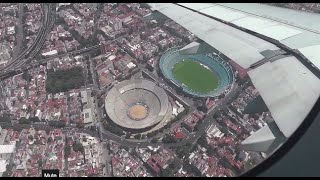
point(199, 75)
point(137, 104)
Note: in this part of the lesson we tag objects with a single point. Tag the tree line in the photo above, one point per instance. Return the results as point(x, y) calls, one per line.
point(64, 80)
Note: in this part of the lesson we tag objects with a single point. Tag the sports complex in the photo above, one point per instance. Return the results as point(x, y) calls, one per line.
point(137, 104)
point(200, 75)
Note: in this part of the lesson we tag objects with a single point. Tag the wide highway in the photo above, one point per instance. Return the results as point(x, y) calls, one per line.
point(34, 48)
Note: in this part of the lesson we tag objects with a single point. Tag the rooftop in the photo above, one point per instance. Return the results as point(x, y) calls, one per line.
point(5, 149)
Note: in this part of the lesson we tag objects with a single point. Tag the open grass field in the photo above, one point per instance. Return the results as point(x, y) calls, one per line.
point(195, 76)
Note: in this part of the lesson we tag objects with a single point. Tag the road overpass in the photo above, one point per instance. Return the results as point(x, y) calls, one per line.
point(35, 47)
point(24, 67)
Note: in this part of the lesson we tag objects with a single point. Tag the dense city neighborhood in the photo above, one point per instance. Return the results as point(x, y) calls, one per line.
point(86, 88)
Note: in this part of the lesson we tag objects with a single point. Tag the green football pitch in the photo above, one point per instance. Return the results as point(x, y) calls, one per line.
point(195, 76)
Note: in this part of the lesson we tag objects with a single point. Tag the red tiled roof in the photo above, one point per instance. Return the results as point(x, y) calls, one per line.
point(153, 165)
point(180, 135)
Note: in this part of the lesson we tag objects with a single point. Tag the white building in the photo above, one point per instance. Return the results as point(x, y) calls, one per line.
point(3, 134)
point(87, 116)
point(11, 30)
point(4, 53)
point(3, 165)
point(88, 107)
point(6, 151)
point(116, 24)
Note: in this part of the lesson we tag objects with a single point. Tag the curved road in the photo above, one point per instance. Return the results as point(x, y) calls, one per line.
point(47, 23)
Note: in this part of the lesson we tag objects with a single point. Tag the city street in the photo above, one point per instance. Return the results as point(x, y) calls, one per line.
point(20, 33)
point(106, 159)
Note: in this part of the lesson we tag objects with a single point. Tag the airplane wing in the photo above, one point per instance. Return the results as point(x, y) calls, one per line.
point(277, 46)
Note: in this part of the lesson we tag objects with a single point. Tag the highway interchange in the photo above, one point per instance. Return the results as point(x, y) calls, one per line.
point(34, 48)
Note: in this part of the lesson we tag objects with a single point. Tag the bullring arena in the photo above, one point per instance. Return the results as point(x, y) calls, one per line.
point(137, 104)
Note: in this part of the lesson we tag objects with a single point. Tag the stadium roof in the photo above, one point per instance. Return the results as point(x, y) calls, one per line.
point(286, 85)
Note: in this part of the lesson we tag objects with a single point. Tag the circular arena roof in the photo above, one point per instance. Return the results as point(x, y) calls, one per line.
point(136, 104)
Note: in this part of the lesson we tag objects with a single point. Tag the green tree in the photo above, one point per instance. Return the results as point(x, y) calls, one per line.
point(26, 76)
point(175, 165)
point(58, 124)
point(203, 140)
point(188, 144)
point(5, 118)
point(166, 172)
point(5, 174)
point(24, 120)
point(137, 136)
point(6, 126)
point(25, 126)
point(29, 109)
point(67, 151)
point(78, 147)
point(80, 125)
point(30, 137)
point(225, 130)
point(182, 151)
point(8, 170)
point(40, 163)
point(210, 151)
point(149, 135)
point(17, 127)
point(169, 139)
point(84, 139)
point(47, 131)
point(154, 140)
point(63, 80)
point(116, 131)
point(50, 139)
point(128, 135)
point(188, 167)
point(34, 119)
